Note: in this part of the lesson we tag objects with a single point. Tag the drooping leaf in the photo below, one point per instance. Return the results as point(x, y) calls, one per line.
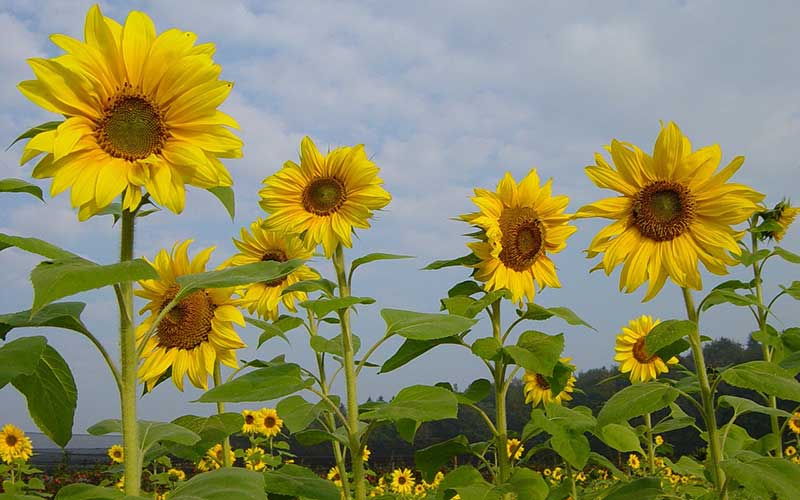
point(667, 333)
point(334, 345)
point(636, 400)
point(226, 483)
point(297, 413)
point(150, 433)
point(225, 196)
point(20, 357)
point(620, 437)
point(308, 286)
point(65, 315)
point(466, 260)
point(722, 296)
point(766, 476)
point(743, 405)
point(536, 312)
point(34, 131)
point(424, 326)
point(429, 460)
point(787, 255)
point(298, 482)
point(20, 186)
point(537, 351)
point(765, 377)
point(419, 403)
point(412, 349)
point(235, 276)
point(35, 245)
point(372, 257)
point(323, 307)
point(263, 384)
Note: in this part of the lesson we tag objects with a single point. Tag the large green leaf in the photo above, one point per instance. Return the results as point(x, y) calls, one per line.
point(53, 280)
point(225, 196)
point(223, 484)
point(488, 348)
point(52, 396)
point(276, 328)
point(297, 413)
point(298, 482)
point(766, 476)
point(792, 290)
point(150, 433)
point(636, 400)
point(538, 313)
point(235, 276)
point(334, 345)
point(372, 257)
point(743, 405)
point(620, 437)
point(263, 384)
point(537, 351)
point(34, 131)
point(412, 349)
point(65, 315)
point(323, 307)
point(526, 484)
point(429, 460)
point(572, 447)
point(477, 391)
point(212, 430)
point(308, 286)
point(88, 492)
point(764, 377)
point(424, 326)
point(667, 333)
point(787, 255)
point(20, 357)
point(20, 186)
point(723, 296)
point(35, 245)
point(419, 403)
point(640, 489)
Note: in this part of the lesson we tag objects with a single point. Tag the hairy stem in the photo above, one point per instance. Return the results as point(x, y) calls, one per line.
point(226, 443)
point(501, 422)
point(651, 450)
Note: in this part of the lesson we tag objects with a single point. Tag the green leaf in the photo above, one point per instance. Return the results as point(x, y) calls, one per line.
point(271, 330)
point(53, 280)
point(88, 492)
point(527, 484)
point(323, 307)
point(667, 333)
point(297, 413)
point(212, 430)
point(35, 245)
point(793, 290)
point(112, 209)
point(620, 437)
point(570, 418)
point(225, 196)
point(372, 257)
point(743, 405)
point(640, 489)
point(150, 433)
point(223, 484)
point(34, 131)
point(466, 260)
point(65, 315)
point(722, 296)
point(20, 357)
point(259, 385)
point(787, 255)
point(424, 326)
point(672, 424)
point(429, 460)
point(602, 461)
point(20, 186)
point(407, 428)
point(790, 338)
point(636, 400)
point(537, 351)
point(766, 476)
point(235, 276)
point(487, 348)
point(52, 396)
point(312, 437)
point(764, 377)
point(332, 346)
point(477, 391)
point(412, 349)
point(295, 481)
point(308, 286)
point(419, 403)
point(572, 447)
point(536, 312)
point(465, 288)
point(463, 477)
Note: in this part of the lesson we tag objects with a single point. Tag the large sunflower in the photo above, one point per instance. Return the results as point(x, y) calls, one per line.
point(537, 389)
point(141, 112)
point(523, 223)
point(632, 355)
point(259, 245)
point(197, 332)
point(674, 211)
point(324, 197)
point(14, 444)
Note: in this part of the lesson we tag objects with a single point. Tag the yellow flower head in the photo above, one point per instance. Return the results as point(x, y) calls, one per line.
point(214, 458)
point(659, 440)
point(365, 453)
point(269, 423)
point(141, 112)
point(402, 481)
point(251, 423)
point(782, 216)
point(558, 473)
point(334, 476)
point(116, 453)
point(790, 451)
point(324, 197)
point(176, 475)
point(514, 448)
point(420, 490)
point(258, 245)
point(673, 212)
point(14, 444)
point(632, 355)
point(523, 224)
point(547, 472)
point(794, 422)
point(537, 388)
point(633, 461)
point(254, 458)
point(195, 333)
point(437, 479)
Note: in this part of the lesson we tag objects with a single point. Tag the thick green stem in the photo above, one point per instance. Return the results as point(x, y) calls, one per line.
point(501, 422)
point(129, 364)
point(707, 399)
point(350, 380)
point(573, 487)
point(651, 450)
point(226, 443)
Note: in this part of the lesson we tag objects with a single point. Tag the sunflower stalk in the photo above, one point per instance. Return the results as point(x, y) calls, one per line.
point(501, 423)
point(226, 443)
point(350, 379)
point(707, 398)
point(651, 450)
point(129, 364)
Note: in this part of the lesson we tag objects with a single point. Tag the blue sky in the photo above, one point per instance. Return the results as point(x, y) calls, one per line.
point(446, 96)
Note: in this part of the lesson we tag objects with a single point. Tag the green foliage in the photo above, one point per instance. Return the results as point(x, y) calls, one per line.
point(296, 481)
point(223, 484)
point(65, 315)
point(89, 492)
point(424, 326)
point(537, 351)
point(538, 313)
point(640, 489)
point(372, 257)
point(418, 403)
point(211, 430)
point(20, 357)
point(636, 400)
point(412, 349)
point(429, 460)
point(323, 307)
point(263, 384)
point(20, 186)
point(35, 245)
point(34, 131)
point(225, 196)
point(765, 476)
point(235, 276)
point(764, 377)
point(150, 433)
point(666, 334)
point(297, 413)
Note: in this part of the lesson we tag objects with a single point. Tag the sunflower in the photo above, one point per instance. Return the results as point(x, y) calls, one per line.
point(632, 355)
point(196, 333)
point(790, 451)
point(214, 458)
point(251, 424)
point(402, 481)
point(324, 197)
point(514, 448)
point(523, 223)
point(116, 453)
point(254, 459)
point(269, 423)
point(141, 112)
point(781, 217)
point(674, 211)
point(365, 453)
point(259, 245)
point(659, 440)
point(176, 475)
point(14, 444)
point(794, 422)
point(334, 476)
point(420, 491)
point(537, 389)
point(633, 461)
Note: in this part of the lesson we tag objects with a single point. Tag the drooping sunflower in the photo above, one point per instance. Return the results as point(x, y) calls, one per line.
point(269, 423)
point(334, 476)
point(251, 423)
point(116, 453)
point(259, 245)
point(196, 333)
point(537, 389)
point(514, 448)
point(141, 112)
point(324, 197)
point(794, 422)
point(631, 353)
point(14, 444)
point(214, 458)
point(674, 211)
point(523, 224)
point(176, 475)
point(254, 458)
point(782, 216)
point(402, 481)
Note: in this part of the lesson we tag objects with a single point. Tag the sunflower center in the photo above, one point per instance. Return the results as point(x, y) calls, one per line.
point(336, 477)
point(663, 210)
point(401, 480)
point(542, 382)
point(117, 453)
point(188, 324)
point(522, 238)
point(277, 256)
point(324, 196)
point(269, 422)
point(249, 420)
point(639, 354)
point(11, 440)
point(132, 128)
